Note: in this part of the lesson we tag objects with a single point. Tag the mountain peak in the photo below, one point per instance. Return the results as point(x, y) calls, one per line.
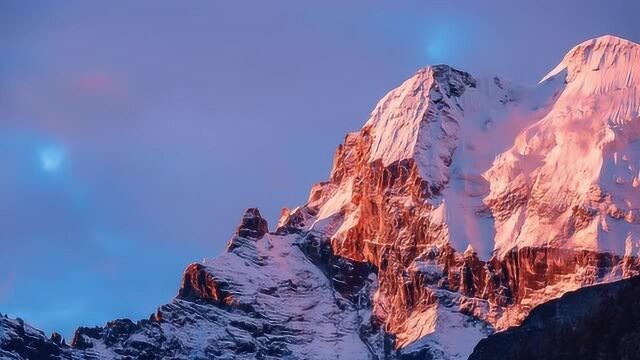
point(605, 40)
point(403, 122)
point(597, 47)
point(252, 225)
point(612, 57)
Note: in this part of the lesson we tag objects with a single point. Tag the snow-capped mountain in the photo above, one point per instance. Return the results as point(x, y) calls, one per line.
point(461, 204)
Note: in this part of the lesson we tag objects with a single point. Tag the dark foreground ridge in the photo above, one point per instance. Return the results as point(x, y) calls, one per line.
point(597, 322)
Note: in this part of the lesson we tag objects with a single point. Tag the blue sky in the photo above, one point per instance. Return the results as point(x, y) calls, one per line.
point(134, 134)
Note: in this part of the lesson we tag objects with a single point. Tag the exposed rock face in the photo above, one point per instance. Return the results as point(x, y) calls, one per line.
point(20, 341)
point(198, 284)
point(461, 204)
point(598, 322)
point(253, 226)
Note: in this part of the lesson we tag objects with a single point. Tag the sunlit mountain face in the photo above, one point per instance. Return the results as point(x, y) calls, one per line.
point(469, 217)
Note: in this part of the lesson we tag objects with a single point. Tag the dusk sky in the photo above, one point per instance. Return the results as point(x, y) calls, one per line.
point(133, 134)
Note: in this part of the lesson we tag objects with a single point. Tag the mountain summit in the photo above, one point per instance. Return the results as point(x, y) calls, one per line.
point(616, 57)
point(463, 203)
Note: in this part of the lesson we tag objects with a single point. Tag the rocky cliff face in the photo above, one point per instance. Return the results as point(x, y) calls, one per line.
point(460, 205)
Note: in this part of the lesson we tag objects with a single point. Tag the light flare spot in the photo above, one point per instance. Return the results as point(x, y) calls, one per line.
point(51, 158)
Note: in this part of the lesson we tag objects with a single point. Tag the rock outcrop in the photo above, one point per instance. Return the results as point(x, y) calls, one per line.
point(20, 341)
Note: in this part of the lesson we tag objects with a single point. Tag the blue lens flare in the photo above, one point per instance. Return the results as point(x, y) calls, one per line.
point(51, 158)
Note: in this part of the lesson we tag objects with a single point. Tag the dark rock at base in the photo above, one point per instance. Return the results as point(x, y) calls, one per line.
point(598, 322)
point(20, 341)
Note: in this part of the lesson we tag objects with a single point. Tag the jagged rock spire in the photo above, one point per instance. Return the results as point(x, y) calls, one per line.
point(253, 225)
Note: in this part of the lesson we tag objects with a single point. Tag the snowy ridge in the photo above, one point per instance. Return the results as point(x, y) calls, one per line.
point(578, 164)
point(600, 65)
point(274, 278)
